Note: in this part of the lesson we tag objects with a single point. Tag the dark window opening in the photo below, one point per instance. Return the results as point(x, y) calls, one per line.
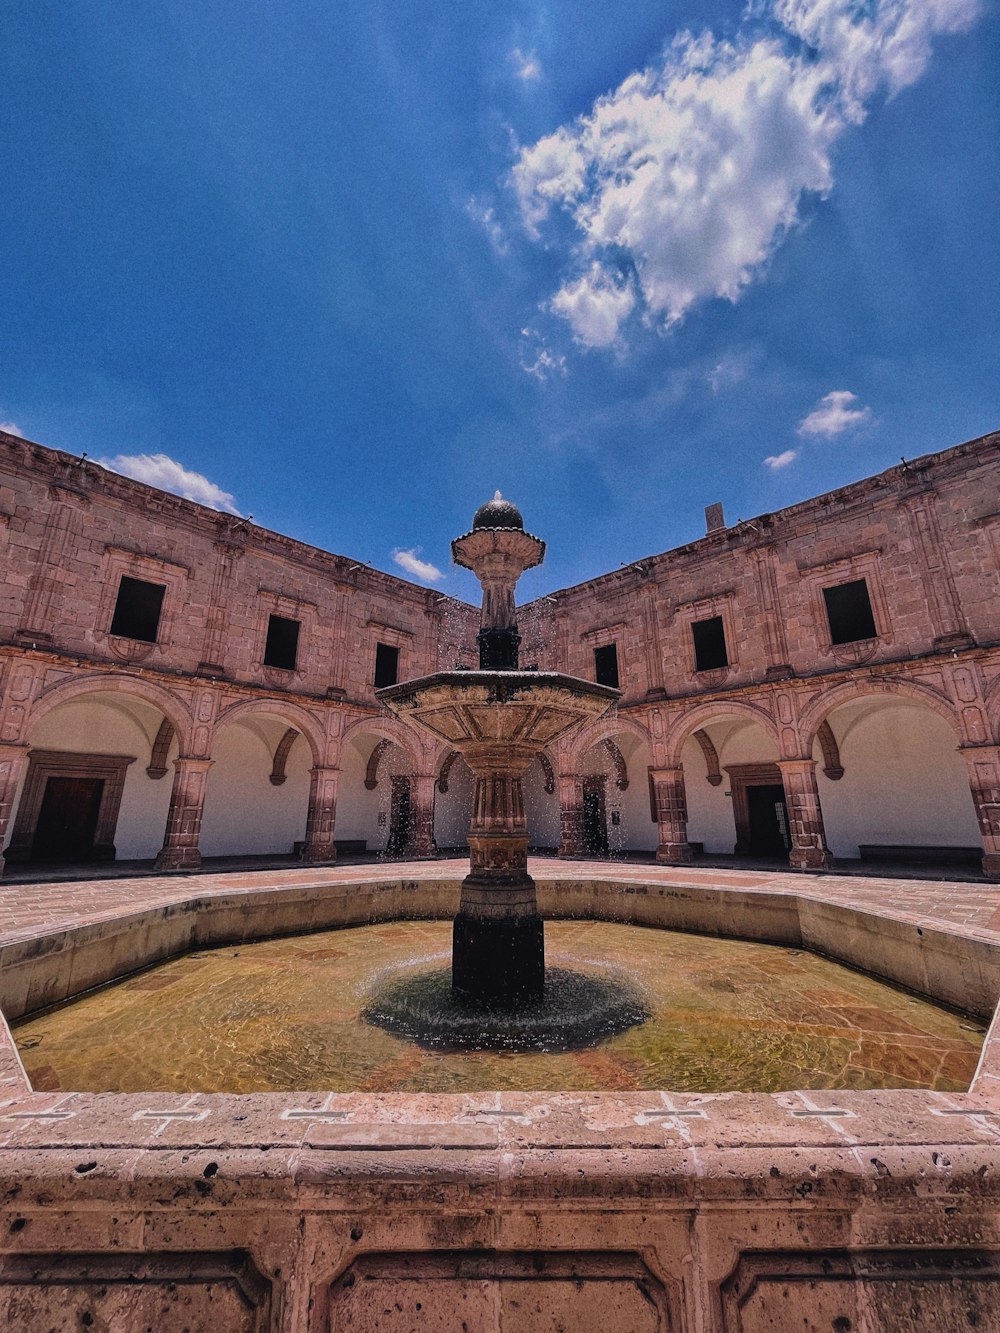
point(282, 647)
point(606, 665)
point(849, 611)
point(137, 610)
point(386, 665)
point(709, 644)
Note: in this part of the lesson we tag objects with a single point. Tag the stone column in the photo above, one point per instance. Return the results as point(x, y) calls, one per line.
point(983, 763)
point(187, 801)
point(805, 815)
point(670, 800)
point(422, 816)
point(319, 847)
point(570, 816)
point(13, 759)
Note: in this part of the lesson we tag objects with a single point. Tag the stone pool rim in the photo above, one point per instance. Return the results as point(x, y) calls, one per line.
point(953, 966)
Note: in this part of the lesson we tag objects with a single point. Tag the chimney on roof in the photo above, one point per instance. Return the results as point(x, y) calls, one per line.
point(714, 518)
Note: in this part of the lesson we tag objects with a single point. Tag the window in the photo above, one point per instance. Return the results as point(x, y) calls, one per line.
point(386, 665)
point(849, 611)
point(282, 646)
point(137, 610)
point(606, 665)
point(709, 644)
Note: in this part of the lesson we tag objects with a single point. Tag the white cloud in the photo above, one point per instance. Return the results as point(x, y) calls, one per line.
point(169, 475)
point(485, 216)
point(420, 569)
point(694, 169)
point(11, 429)
point(833, 414)
point(732, 369)
point(777, 461)
point(546, 364)
point(595, 305)
point(526, 65)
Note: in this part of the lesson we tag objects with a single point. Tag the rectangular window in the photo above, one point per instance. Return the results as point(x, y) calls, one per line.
point(386, 665)
point(282, 647)
point(137, 610)
point(709, 644)
point(849, 611)
point(606, 665)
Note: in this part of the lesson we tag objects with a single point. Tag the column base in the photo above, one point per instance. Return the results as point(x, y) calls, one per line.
point(674, 853)
point(498, 962)
point(178, 858)
point(320, 853)
point(809, 858)
point(991, 865)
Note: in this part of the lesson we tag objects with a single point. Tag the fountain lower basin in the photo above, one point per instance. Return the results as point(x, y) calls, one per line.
point(632, 1008)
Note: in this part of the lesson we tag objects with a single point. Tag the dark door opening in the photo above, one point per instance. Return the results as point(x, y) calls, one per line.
point(67, 820)
point(768, 821)
point(399, 818)
point(595, 818)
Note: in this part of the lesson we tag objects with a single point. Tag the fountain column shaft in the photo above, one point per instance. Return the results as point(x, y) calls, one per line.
point(498, 944)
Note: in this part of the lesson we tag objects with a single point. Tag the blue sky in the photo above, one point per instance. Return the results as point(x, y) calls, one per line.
point(357, 265)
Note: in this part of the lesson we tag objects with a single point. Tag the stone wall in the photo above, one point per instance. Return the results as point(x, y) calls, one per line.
point(294, 750)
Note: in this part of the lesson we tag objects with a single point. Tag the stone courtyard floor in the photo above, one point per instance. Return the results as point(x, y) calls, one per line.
point(29, 906)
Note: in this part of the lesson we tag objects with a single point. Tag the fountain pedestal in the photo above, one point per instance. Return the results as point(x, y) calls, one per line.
point(498, 718)
point(498, 948)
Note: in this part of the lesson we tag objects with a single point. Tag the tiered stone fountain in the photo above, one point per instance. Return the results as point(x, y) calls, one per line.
point(498, 718)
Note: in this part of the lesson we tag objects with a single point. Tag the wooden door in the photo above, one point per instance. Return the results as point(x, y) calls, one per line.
point(67, 820)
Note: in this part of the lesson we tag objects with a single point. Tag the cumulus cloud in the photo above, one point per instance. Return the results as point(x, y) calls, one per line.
point(526, 65)
point(690, 173)
point(420, 569)
point(777, 461)
point(10, 428)
point(169, 475)
point(833, 414)
point(595, 305)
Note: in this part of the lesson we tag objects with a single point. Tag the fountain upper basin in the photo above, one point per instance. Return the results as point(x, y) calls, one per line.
point(523, 710)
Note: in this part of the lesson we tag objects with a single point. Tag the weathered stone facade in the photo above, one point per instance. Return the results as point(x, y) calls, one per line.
point(868, 741)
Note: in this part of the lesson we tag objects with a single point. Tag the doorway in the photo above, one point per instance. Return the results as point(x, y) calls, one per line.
point(399, 818)
point(69, 808)
point(760, 812)
point(67, 820)
point(595, 817)
point(768, 818)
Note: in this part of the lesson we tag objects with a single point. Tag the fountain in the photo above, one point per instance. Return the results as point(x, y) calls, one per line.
point(498, 718)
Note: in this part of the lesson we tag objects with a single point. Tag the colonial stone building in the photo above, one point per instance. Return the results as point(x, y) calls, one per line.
point(819, 682)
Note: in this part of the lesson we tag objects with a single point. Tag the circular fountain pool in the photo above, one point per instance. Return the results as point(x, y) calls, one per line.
point(706, 1015)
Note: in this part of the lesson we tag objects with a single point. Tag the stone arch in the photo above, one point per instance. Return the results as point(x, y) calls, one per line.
point(601, 730)
point(817, 712)
point(172, 708)
point(992, 701)
point(374, 759)
point(707, 713)
point(386, 728)
point(157, 766)
point(713, 774)
point(291, 714)
point(832, 766)
point(446, 763)
point(618, 760)
point(548, 774)
point(278, 774)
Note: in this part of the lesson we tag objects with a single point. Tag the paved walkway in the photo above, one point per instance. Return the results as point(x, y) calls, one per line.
point(27, 909)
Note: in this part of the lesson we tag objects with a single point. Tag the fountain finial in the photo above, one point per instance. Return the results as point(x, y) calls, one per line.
point(497, 513)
